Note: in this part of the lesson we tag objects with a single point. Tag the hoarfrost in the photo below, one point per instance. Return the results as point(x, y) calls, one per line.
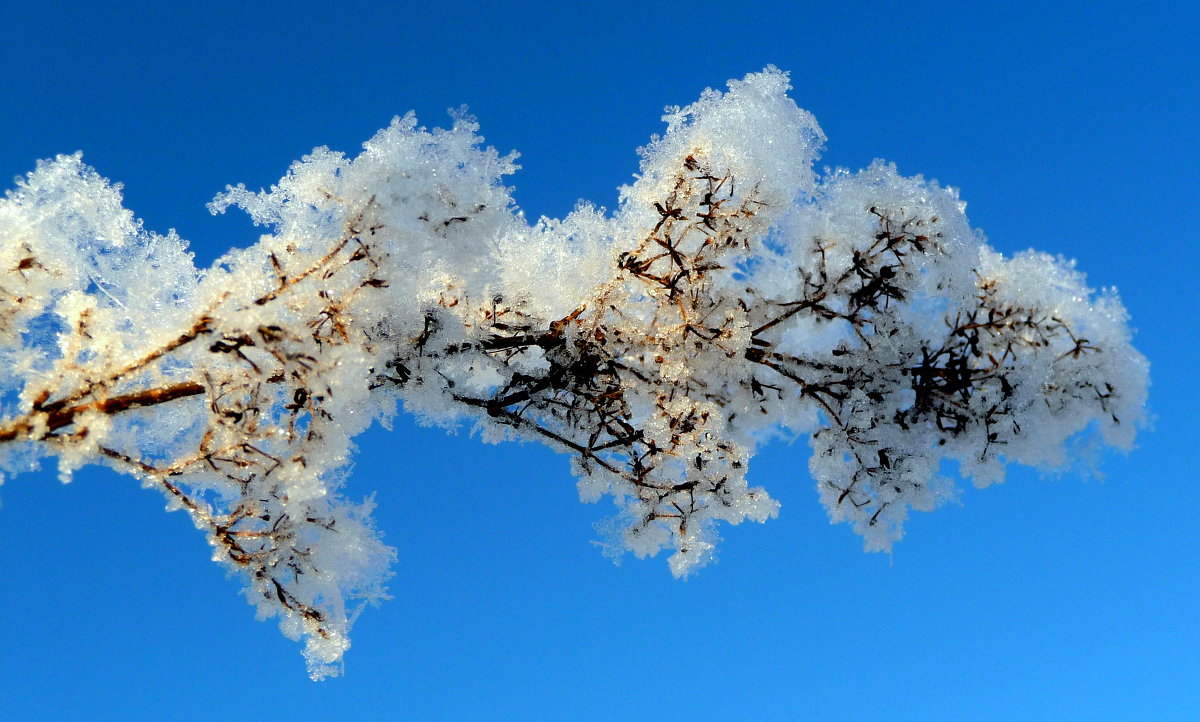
point(732, 296)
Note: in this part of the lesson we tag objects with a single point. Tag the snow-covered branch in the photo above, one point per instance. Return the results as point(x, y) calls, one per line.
point(732, 296)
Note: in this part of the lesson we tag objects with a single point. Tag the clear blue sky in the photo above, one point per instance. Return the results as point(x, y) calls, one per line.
point(1072, 130)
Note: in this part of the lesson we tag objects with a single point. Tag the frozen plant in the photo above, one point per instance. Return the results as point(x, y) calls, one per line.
point(732, 296)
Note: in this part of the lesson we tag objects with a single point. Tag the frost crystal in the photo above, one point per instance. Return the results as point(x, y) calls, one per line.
point(732, 295)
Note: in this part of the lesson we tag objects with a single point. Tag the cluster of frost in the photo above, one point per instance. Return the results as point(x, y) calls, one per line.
point(732, 296)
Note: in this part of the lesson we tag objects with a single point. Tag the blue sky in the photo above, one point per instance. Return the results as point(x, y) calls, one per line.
point(1071, 130)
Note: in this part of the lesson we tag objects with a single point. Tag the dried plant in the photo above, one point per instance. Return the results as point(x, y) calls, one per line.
point(732, 296)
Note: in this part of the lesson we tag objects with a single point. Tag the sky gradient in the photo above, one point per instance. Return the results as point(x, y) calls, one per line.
point(1068, 131)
